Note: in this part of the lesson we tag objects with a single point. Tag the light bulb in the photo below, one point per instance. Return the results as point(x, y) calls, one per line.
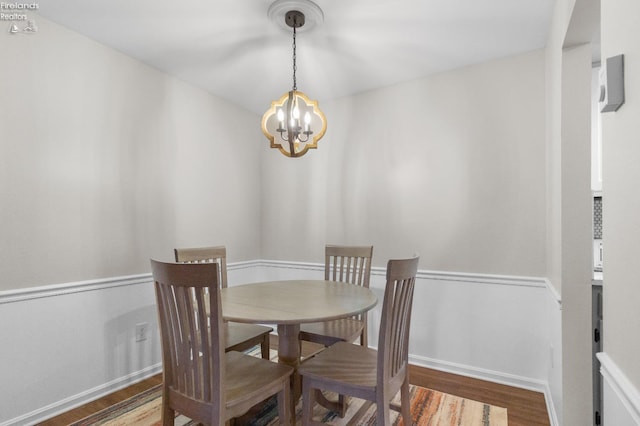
point(307, 121)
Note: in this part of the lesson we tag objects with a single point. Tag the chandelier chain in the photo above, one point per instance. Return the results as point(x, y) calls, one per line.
point(295, 84)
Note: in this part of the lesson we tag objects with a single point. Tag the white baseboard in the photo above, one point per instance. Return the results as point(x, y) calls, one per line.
point(479, 373)
point(551, 408)
point(624, 398)
point(82, 398)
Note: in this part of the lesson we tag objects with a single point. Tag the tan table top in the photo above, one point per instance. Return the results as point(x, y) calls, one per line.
point(294, 301)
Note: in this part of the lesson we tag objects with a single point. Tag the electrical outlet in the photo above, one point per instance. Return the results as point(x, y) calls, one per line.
point(142, 331)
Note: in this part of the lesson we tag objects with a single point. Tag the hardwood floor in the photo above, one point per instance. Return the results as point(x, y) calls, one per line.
point(524, 407)
point(102, 403)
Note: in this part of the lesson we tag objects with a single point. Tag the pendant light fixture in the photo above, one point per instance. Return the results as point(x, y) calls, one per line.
point(294, 123)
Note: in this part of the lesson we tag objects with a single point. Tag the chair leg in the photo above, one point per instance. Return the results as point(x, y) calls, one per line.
point(264, 347)
point(405, 402)
point(364, 338)
point(308, 401)
point(284, 405)
point(168, 417)
point(168, 414)
point(342, 405)
point(382, 411)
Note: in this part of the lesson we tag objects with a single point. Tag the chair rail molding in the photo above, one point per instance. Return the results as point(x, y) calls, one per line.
point(427, 274)
point(17, 295)
point(23, 294)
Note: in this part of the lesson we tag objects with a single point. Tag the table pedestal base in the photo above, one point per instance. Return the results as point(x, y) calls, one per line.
point(289, 354)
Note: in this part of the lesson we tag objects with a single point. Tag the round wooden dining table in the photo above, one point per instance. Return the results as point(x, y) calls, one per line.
point(290, 303)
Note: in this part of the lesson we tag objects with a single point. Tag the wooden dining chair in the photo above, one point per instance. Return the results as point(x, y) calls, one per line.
point(373, 375)
point(200, 379)
point(239, 337)
point(350, 264)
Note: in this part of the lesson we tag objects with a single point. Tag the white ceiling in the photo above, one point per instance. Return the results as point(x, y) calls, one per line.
point(233, 50)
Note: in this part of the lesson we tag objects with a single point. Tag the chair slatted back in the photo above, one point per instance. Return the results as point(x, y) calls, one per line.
point(192, 353)
point(393, 340)
point(349, 264)
point(217, 254)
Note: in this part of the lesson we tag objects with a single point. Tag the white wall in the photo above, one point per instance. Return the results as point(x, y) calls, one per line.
point(107, 162)
point(451, 166)
point(621, 217)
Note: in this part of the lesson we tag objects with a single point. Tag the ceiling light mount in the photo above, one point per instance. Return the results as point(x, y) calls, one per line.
point(313, 15)
point(294, 18)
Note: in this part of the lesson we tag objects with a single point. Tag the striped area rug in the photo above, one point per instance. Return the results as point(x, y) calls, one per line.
point(428, 408)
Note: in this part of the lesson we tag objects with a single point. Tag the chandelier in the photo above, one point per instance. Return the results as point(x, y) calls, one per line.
point(294, 124)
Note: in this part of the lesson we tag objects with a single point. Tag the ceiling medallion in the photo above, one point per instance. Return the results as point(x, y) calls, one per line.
point(313, 15)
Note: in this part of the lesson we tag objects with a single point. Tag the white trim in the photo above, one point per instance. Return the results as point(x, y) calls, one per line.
point(52, 290)
point(554, 293)
point(290, 265)
point(103, 283)
point(551, 407)
point(20, 295)
point(479, 373)
point(426, 274)
point(82, 398)
point(628, 395)
point(245, 264)
point(482, 278)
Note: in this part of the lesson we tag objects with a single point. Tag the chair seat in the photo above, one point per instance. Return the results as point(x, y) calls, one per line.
point(240, 337)
point(329, 332)
point(343, 363)
point(248, 377)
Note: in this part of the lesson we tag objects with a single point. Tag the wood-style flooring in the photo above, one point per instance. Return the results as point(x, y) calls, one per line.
point(524, 407)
